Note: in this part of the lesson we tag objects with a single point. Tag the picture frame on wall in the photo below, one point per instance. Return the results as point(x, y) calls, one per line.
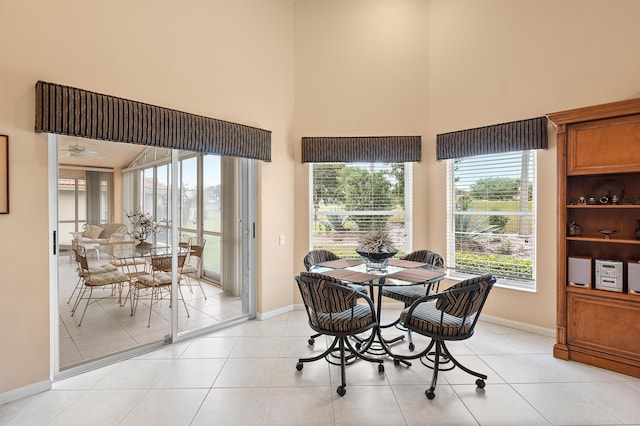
point(4, 174)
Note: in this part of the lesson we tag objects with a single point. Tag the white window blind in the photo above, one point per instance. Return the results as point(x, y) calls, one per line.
point(349, 199)
point(491, 221)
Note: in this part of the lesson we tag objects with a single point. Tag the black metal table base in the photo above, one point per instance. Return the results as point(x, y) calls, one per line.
point(376, 344)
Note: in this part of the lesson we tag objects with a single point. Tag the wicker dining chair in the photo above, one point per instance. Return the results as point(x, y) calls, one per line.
point(93, 278)
point(96, 269)
point(410, 293)
point(450, 315)
point(333, 310)
point(158, 282)
point(192, 265)
point(318, 256)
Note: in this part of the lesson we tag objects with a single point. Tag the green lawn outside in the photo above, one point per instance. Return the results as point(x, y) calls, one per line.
point(212, 250)
point(501, 206)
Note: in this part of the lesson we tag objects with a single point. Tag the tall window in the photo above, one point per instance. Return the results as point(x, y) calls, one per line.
point(200, 189)
point(212, 214)
point(349, 199)
point(85, 197)
point(99, 196)
point(72, 207)
point(491, 226)
point(189, 194)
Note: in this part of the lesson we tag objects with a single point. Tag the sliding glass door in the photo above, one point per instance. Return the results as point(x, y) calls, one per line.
point(215, 208)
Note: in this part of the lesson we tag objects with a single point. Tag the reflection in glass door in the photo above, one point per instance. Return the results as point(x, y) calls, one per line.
point(211, 190)
point(87, 194)
point(209, 213)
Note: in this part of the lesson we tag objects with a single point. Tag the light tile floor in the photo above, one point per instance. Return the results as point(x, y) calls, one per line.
point(109, 328)
point(246, 375)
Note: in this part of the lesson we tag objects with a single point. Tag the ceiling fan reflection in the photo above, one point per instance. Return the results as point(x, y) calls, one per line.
point(78, 151)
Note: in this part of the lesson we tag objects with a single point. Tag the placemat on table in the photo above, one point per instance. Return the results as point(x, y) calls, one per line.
point(351, 276)
point(405, 263)
point(416, 275)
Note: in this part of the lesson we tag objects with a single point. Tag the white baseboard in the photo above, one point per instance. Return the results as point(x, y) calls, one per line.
point(266, 315)
point(550, 332)
point(25, 391)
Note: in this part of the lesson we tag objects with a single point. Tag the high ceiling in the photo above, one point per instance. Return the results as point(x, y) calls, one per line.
point(74, 151)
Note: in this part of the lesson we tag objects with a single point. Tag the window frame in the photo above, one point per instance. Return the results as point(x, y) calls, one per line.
point(407, 243)
point(527, 285)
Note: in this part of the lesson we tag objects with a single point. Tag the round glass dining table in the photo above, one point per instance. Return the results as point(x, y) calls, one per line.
point(398, 273)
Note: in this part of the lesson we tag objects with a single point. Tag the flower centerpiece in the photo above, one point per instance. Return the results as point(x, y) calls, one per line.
point(377, 247)
point(143, 226)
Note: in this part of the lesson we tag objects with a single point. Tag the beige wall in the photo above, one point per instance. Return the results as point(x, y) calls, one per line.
point(380, 67)
point(362, 67)
point(361, 70)
point(228, 59)
point(501, 60)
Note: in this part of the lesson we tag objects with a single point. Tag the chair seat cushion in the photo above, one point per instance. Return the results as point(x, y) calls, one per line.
point(406, 294)
point(160, 278)
point(189, 269)
point(102, 269)
point(342, 322)
point(106, 278)
point(426, 320)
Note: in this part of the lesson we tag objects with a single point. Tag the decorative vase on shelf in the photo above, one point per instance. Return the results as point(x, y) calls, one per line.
point(608, 232)
point(638, 230)
point(376, 247)
point(574, 229)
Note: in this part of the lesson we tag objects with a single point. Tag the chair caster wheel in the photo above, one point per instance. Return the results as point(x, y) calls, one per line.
point(380, 368)
point(341, 390)
point(311, 342)
point(396, 362)
point(299, 366)
point(411, 346)
point(430, 393)
point(480, 383)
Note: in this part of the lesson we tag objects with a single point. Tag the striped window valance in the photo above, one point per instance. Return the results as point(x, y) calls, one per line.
point(76, 112)
point(514, 136)
point(376, 149)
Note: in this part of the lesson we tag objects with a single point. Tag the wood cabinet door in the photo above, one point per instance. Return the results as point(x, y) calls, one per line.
point(604, 146)
point(602, 324)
